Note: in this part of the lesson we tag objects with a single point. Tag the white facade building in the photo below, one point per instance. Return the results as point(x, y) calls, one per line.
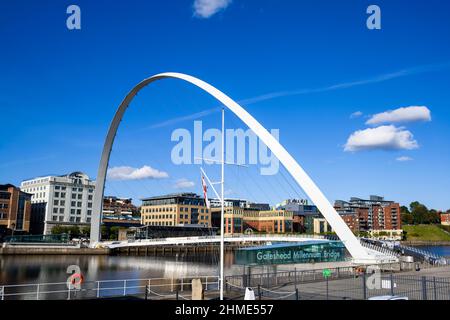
point(68, 198)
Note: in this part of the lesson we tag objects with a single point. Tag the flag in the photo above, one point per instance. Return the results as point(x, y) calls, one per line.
point(205, 192)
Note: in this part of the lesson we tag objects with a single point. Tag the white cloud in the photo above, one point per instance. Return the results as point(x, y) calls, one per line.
point(404, 158)
point(183, 184)
point(405, 114)
point(356, 114)
point(130, 173)
point(207, 8)
point(383, 137)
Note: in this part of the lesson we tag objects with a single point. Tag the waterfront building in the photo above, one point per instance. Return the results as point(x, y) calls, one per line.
point(303, 214)
point(268, 221)
point(320, 226)
point(157, 232)
point(15, 210)
point(175, 209)
point(240, 215)
point(119, 207)
point(233, 218)
point(445, 219)
point(372, 214)
point(67, 199)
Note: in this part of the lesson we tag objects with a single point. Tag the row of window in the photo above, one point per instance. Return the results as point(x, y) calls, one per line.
point(171, 216)
point(170, 209)
point(78, 204)
point(35, 181)
point(71, 219)
point(72, 211)
point(166, 223)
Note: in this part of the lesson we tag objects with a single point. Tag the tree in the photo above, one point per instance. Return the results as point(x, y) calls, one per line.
point(434, 216)
point(420, 213)
point(114, 233)
point(59, 229)
point(407, 218)
point(404, 210)
point(85, 231)
point(413, 205)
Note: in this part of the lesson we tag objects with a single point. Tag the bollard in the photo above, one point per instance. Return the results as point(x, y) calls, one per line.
point(197, 289)
point(296, 294)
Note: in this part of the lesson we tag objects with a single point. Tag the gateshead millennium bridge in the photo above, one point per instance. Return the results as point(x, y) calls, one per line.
point(359, 253)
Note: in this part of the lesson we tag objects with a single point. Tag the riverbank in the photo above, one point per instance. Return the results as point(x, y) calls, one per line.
point(425, 243)
point(426, 232)
point(24, 250)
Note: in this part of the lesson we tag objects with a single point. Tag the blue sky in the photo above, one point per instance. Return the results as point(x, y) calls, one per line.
point(317, 61)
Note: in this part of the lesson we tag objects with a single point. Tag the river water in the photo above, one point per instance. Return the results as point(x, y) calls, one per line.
point(53, 268)
point(439, 250)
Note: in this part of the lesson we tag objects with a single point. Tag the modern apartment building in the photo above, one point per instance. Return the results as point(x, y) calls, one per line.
point(119, 207)
point(67, 199)
point(175, 209)
point(15, 210)
point(372, 214)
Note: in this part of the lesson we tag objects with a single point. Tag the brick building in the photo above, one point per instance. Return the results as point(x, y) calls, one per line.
point(15, 210)
point(372, 214)
point(445, 219)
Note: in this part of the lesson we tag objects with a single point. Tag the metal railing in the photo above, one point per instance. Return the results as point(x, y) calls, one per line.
point(193, 239)
point(342, 284)
point(105, 288)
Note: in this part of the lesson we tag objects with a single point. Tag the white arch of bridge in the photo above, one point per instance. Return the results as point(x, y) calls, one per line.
point(352, 244)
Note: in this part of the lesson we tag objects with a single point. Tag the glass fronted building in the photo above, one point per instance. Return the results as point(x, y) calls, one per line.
point(284, 253)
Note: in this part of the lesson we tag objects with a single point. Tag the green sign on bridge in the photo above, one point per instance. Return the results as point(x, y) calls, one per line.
point(301, 252)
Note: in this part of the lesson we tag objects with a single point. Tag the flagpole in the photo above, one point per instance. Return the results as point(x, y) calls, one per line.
point(222, 207)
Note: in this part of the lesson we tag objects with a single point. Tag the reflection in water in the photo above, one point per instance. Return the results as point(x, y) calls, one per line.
point(52, 268)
